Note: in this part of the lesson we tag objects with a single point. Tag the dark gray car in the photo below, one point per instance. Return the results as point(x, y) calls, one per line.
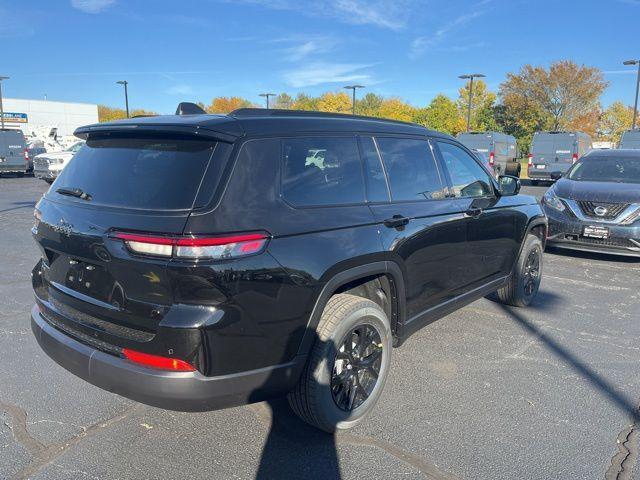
point(595, 206)
point(13, 152)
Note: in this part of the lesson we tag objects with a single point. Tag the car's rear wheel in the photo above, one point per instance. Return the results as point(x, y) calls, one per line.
point(347, 365)
point(525, 281)
point(512, 169)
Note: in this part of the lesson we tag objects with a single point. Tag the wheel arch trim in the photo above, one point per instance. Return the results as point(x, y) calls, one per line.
point(388, 268)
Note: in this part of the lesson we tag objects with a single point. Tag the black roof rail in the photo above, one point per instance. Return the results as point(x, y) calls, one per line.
point(276, 112)
point(189, 108)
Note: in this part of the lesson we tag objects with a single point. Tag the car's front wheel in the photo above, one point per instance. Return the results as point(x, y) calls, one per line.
point(347, 365)
point(525, 280)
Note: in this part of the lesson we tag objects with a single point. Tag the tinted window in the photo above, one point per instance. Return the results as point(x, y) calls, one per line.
point(376, 182)
point(321, 171)
point(467, 177)
point(149, 173)
point(411, 169)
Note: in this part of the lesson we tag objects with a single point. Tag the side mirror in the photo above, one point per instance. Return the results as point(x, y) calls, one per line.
point(556, 175)
point(509, 185)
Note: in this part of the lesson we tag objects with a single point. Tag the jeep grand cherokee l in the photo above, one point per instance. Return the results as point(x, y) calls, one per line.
point(195, 262)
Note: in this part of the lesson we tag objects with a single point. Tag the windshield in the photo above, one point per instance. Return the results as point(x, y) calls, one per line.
point(619, 170)
point(155, 173)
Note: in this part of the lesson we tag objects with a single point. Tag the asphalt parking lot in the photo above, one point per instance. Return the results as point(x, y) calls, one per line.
point(487, 392)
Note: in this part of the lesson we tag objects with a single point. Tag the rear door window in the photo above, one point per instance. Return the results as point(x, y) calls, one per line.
point(155, 173)
point(411, 168)
point(468, 178)
point(318, 171)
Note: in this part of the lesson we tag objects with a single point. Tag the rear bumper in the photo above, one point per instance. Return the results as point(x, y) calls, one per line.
point(182, 391)
point(4, 168)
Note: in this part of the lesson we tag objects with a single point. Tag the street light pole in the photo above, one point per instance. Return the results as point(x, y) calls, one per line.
point(126, 94)
point(353, 89)
point(470, 77)
point(635, 105)
point(266, 96)
point(1, 109)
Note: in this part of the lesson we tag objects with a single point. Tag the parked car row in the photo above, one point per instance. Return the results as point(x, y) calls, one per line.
point(17, 157)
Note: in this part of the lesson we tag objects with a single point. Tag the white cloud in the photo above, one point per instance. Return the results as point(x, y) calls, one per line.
point(92, 6)
point(391, 14)
point(320, 72)
point(304, 47)
point(181, 89)
point(422, 44)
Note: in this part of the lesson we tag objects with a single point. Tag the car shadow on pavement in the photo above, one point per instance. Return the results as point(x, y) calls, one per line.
point(294, 449)
point(601, 383)
point(20, 205)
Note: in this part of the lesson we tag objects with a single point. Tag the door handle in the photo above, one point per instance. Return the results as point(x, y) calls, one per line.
point(396, 221)
point(474, 212)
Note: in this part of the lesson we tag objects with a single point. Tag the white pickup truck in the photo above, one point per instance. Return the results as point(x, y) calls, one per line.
point(47, 166)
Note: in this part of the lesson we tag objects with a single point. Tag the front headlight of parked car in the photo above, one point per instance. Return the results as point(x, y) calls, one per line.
point(551, 199)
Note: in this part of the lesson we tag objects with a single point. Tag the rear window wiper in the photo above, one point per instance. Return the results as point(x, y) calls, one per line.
point(74, 192)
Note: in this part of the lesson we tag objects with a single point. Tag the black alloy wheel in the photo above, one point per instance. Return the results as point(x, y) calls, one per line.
point(356, 367)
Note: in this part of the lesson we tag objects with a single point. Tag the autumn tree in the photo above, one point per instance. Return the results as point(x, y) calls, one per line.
point(107, 114)
point(396, 109)
point(558, 96)
point(614, 120)
point(339, 102)
point(227, 104)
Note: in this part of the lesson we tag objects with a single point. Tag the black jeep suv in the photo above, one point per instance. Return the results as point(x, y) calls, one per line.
point(195, 262)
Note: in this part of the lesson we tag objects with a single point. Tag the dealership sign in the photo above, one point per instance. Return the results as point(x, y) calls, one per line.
point(12, 117)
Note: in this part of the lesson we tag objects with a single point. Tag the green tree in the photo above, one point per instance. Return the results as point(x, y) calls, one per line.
point(283, 101)
point(369, 105)
point(442, 114)
point(305, 102)
point(482, 105)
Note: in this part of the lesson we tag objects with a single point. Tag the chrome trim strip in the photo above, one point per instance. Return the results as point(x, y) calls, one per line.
point(619, 220)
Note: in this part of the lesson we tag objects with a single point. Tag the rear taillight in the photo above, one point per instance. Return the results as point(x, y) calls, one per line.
point(530, 161)
point(26, 155)
point(574, 159)
point(491, 159)
point(156, 361)
point(217, 248)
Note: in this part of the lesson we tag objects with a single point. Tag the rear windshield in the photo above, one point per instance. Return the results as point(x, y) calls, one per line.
point(157, 173)
point(620, 170)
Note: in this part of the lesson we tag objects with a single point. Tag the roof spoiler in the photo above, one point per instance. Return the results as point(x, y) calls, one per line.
point(188, 108)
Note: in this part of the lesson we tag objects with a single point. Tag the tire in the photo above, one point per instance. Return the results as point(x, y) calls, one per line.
point(48, 180)
point(524, 283)
point(319, 391)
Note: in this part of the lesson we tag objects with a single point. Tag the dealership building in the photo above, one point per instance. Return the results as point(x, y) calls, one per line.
point(32, 115)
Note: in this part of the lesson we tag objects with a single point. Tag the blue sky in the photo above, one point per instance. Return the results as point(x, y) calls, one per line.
point(170, 50)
